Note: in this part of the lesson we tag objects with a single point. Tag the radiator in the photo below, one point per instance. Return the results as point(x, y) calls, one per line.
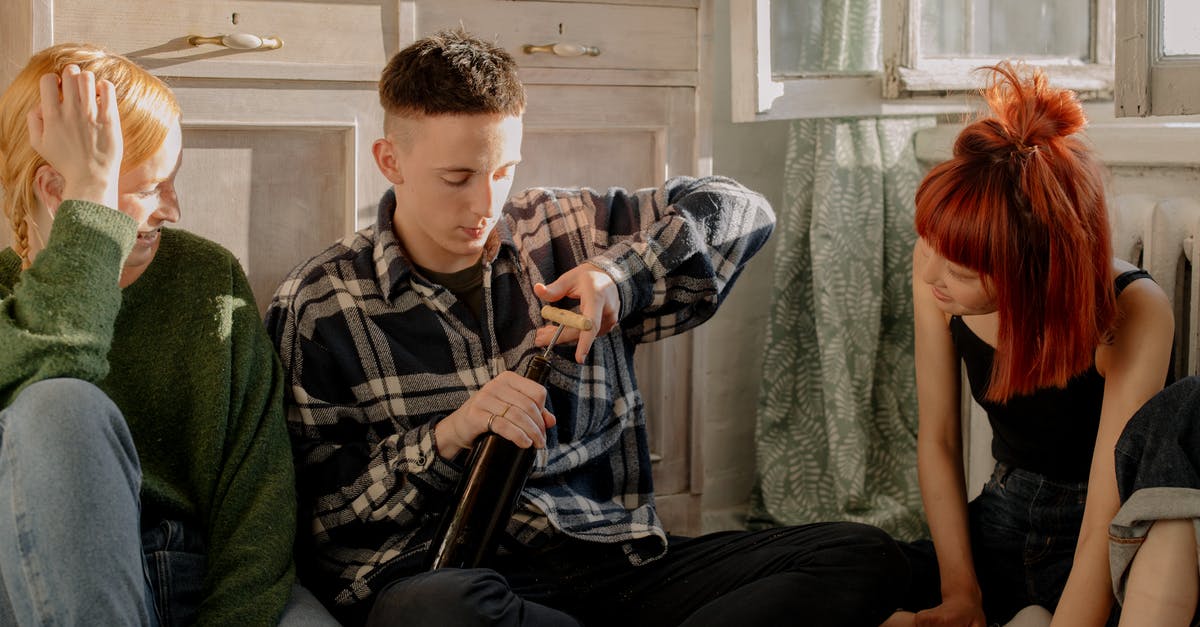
point(1160, 235)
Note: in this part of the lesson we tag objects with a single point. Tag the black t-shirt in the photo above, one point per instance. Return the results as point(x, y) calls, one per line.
point(466, 285)
point(1051, 431)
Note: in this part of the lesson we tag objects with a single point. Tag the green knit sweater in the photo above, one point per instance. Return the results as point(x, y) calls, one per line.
point(183, 354)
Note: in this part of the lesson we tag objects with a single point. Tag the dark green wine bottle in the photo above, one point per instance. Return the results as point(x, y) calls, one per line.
point(485, 497)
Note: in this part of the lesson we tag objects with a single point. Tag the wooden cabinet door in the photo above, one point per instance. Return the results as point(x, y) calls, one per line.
point(277, 173)
point(601, 136)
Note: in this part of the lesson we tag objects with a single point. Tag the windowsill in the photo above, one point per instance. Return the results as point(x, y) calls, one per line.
point(961, 75)
point(844, 97)
point(1150, 142)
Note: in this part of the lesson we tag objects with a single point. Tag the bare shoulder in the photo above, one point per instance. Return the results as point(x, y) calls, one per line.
point(1144, 315)
point(1136, 358)
point(1142, 296)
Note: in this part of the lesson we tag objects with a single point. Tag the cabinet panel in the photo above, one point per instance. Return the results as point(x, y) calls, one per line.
point(630, 137)
point(587, 136)
point(628, 37)
point(320, 39)
point(272, 196)
point(673, 3)
point(599, 136)
point(277, 174)
point(585, 158)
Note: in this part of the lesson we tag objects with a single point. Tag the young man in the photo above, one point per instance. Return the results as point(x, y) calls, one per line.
point(402, 345)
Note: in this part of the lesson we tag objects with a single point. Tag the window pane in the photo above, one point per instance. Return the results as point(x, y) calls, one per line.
point(1181, 27)
point(823, 37)
point(944, 28)
point(1003, 28)
point(795, 26)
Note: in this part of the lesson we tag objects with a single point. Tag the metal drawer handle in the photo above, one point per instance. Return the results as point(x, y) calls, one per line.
point(563, 50)
point(238, 41)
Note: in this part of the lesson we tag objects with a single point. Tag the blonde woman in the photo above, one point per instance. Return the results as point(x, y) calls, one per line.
point(145, 474)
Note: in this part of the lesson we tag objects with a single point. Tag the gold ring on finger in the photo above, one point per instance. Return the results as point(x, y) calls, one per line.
point(490, 420)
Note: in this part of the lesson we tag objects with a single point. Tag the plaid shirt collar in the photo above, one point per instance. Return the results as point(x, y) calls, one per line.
point(392, 264)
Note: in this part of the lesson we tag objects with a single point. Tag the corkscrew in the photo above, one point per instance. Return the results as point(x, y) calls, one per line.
point(563, 319)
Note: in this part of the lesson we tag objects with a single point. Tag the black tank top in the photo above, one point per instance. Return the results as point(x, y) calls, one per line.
point(1051, 431)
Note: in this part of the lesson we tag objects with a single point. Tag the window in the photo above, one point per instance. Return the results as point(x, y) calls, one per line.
point(937, 43)
point(1158, 58)
point(920, 59)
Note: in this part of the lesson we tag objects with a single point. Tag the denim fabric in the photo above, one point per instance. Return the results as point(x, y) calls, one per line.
point(1024, 528)
point(1158, 472)
point(70, 552)
point(1160, 446)
point(175, 570)
point(1024, 531)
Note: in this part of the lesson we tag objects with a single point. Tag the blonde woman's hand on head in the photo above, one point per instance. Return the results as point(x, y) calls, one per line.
point(77, 130)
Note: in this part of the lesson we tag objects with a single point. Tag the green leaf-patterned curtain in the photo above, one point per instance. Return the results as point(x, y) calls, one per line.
point(837, 421)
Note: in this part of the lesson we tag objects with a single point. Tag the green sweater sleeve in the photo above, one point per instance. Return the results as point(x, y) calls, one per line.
point(252, 523)
point(56, 317)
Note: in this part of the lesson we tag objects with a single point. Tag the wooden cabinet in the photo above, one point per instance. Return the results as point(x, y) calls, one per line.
point(277, 142)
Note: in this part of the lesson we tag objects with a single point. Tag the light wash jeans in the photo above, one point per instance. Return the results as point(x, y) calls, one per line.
point(70, 538)
point(71, 548)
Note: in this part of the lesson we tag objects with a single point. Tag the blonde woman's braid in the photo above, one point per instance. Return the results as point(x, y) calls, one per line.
point(20, 229)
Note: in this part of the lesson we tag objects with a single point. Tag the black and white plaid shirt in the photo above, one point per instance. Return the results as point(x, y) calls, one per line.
point(376, 354)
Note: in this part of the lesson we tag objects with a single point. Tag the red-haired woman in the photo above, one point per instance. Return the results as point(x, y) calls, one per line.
point(1014, 277)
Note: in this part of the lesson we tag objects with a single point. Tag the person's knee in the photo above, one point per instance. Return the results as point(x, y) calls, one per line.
point(880, 563)
point(881, 541)
point(67, 413)
point(450, 597)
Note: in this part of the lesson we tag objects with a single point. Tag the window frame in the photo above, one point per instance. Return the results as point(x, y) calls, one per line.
point(908, 73)
point(1147, 83)
point(906, 84)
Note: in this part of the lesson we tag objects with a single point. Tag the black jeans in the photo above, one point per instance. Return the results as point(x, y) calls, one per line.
point(824, 574)
point(1024, 528)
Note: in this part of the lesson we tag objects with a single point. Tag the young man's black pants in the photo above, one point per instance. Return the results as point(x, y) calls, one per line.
point(842, 574)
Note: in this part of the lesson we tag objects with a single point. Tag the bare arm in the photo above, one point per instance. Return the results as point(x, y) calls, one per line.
point(939, 458)
point(1134, 366)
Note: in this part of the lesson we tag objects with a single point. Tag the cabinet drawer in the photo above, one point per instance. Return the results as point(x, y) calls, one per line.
point(629, 37)
point(321, 40)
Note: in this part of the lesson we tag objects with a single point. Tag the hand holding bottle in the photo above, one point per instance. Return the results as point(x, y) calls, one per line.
point(510, 406)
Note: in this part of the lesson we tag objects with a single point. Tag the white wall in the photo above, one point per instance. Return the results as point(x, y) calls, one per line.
point(753, 154)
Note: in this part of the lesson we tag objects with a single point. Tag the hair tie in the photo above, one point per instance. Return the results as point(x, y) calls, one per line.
point(1023, 149)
